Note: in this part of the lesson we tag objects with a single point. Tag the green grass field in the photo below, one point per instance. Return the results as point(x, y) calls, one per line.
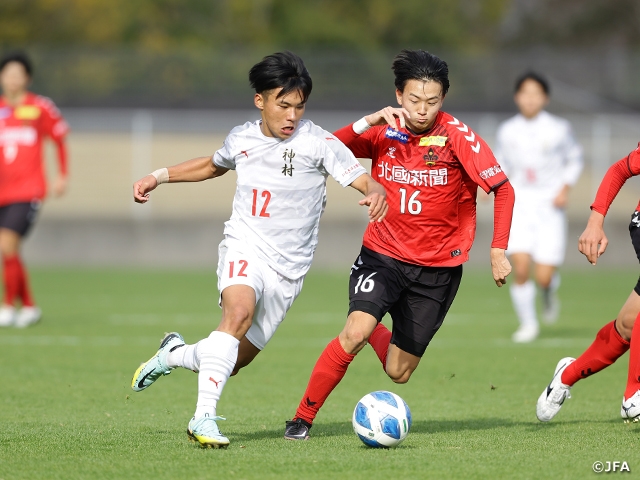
point(67, 409)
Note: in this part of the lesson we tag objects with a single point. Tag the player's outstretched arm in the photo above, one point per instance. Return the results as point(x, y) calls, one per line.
point(500, 266)
point(593, 242)
point(374, 196)
point(195, 170)
point(388, 115)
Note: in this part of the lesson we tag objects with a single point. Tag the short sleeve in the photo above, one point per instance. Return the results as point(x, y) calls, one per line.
point(339, 162)
point(223, 157)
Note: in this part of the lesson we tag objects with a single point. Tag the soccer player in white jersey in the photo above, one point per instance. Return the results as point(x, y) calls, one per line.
point(282, 163)
point(538, 152)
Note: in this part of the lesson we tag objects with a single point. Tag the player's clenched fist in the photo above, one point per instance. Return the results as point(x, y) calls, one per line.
point(142, 188)
point(500, 266)
point(593, 242)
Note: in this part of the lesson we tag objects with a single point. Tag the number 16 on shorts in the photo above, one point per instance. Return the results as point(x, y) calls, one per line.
point(365, 284)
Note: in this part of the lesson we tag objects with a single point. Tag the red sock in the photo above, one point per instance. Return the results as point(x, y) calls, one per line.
point(11, 277)
point(605, 349)
point(16, 282)
point(379, 340)
point(329, 370)
point(24, 291)
point(633, 379)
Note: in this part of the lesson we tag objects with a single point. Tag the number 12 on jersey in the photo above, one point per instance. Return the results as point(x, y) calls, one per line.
point(266, 196)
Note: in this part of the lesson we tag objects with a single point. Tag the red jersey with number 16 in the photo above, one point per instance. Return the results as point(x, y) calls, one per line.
point(22, 130)
point(431, 181)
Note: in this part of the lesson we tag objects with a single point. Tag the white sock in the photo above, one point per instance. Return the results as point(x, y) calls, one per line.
point(524, 302)
point(185, 357)
point(218, 355)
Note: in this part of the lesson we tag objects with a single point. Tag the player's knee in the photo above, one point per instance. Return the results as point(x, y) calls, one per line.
point(400, 377)
point(353, 340)
point(624, 325)
point(238, 314)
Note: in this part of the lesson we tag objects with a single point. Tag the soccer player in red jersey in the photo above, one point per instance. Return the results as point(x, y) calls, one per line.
point(25, 120)
point(410, 265)
point(618, 336)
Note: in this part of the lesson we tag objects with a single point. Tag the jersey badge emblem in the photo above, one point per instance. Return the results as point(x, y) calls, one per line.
point(396, 135)
point(435, 140)
point(391, 152)
point(5, 113)
point(288, 168)
point(27, 112)
point(430, 158)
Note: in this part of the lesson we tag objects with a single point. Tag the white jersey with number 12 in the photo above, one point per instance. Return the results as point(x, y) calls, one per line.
point(281, 190)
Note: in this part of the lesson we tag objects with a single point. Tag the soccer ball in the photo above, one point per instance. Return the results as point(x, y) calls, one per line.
point(381, 419)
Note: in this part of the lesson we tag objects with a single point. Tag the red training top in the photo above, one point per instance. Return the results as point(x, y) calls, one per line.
point(22, 130)
point(615, 177)
point(431, 181)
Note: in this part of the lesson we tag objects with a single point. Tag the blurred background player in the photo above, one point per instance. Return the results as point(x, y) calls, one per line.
point(410, 265)
point(543, 161)
point(282, 163)
point(618, 336)
point(26, 120)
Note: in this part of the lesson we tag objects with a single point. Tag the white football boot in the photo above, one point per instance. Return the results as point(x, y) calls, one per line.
point(7, 315)
point(552, 397)
point(526, 333)
point(28, 316)
point(630, 409)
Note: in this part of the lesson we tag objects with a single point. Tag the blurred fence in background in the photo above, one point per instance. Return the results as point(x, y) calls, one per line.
point(98, 223)
point(588, 80)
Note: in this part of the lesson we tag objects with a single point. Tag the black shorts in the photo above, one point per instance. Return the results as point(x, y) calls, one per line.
point(416, 297)
point(634, 231)
point(19, 217)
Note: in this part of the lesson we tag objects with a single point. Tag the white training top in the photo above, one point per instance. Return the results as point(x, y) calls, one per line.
point(539, 155)
point(281, 190)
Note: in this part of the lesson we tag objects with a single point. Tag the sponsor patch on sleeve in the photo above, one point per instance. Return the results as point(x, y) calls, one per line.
point(490, 172)
point(431, 141)
point(27, 112)
point(396, 135)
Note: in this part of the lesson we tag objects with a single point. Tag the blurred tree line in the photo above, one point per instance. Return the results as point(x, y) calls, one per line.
point(197, 52)
point(351, 24)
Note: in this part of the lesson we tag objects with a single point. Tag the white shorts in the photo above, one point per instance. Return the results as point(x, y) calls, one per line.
point(539, 230)
point(274, 293)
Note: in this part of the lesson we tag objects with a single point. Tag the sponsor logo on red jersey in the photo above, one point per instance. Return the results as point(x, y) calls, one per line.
point(437, 141)
point(396, 135)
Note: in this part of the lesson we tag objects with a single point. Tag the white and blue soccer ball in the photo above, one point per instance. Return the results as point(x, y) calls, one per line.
point(381, 419)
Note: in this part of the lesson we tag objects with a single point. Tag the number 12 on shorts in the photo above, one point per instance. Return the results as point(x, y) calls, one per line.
point(365, 285)
point(243, 266)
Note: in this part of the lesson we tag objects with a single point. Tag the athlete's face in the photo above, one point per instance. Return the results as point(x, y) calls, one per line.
point(14, 79)
point(423, 101)
point(280, 116)
point(530, 98)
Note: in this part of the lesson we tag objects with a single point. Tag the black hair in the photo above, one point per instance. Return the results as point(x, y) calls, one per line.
point(420, 65)
point(544, 84)
point(17, 57)
point(282, 69)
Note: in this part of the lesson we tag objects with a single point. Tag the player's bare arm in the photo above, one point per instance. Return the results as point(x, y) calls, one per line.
point(562, 197)
point(500, 266)
point(388, 115)
point(593, 241)
point(194, 170)
point(374, 196)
